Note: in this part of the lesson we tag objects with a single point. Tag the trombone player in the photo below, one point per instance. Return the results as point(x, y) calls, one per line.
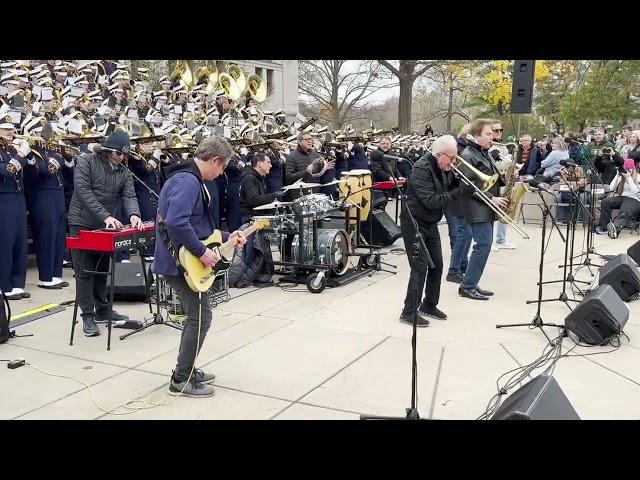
point(478, 214)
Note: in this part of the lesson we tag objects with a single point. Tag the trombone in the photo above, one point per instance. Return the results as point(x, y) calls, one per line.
point(487, 183)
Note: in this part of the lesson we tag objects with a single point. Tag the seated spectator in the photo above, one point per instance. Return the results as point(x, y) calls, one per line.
point(626, 198)
point(550, 166)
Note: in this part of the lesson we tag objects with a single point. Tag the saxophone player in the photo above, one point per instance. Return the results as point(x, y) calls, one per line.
point(503, 160)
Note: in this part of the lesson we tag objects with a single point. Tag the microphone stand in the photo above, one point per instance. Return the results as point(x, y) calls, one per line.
point(417, 248)
point(537, 319)
point(568, 258)
point(157, 317)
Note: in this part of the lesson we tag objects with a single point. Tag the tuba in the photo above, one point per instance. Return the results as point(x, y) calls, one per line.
point(230, 87)
point(238, 75)
point(257, 88)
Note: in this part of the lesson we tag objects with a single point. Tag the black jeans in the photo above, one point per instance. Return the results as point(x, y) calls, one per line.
point(189, 346)
point(91, 289)
point(420, 266)
point(629, 208)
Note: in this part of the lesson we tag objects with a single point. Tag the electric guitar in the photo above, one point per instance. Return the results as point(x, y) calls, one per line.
point(198, 276)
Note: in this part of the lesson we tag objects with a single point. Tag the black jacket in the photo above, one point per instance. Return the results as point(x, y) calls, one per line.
point(296, 168)
point(383, 169)
point(253, 193)
point(474, 209)
point(98, 190)
point(429, 190)
point(607, 166)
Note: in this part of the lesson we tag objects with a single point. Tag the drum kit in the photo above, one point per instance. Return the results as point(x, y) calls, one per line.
point(297, 221)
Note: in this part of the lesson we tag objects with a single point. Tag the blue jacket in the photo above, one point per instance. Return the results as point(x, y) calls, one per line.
point(185, 210)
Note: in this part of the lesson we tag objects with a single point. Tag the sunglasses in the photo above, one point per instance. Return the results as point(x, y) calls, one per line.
point(118, 154)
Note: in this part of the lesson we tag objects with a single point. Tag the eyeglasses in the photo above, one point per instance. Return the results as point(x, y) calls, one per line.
point(307, 139)
point(499, 130)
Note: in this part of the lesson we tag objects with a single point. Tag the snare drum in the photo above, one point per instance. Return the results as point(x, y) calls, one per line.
point(358, 186)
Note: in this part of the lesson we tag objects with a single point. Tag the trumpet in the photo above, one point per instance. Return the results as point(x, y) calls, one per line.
point(487, 183)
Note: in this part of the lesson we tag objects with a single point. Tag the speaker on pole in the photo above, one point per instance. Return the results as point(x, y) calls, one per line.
point(539, 399)
point(598, 317)
point(522, 90)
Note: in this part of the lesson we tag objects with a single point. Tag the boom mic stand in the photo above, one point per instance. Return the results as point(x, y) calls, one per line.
point(417, 249)
point(537, 319)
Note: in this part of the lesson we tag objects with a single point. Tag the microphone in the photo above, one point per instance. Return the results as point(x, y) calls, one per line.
point(567, 163)
point(539, 186)
point(378, 155)
point(99, 148)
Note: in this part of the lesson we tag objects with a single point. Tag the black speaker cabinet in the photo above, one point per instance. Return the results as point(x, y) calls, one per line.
point(385, 229)
point(622, 274)
point(522, 90)
point(539, 399)
point(598, 317)
point(129, 284)
point(634, 252)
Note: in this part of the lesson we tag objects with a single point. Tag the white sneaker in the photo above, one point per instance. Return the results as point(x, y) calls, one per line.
point(125, 261)
point(52, 283)
point(505, 246)
point(494, 248)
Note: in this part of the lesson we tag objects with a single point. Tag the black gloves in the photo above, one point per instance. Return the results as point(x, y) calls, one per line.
point(495, 154)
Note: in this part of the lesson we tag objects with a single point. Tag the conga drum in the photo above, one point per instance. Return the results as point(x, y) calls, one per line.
point(358, 188)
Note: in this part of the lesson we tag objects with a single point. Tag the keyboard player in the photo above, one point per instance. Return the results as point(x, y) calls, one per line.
point(100, 184)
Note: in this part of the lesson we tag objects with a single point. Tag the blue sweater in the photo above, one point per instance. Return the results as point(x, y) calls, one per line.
point(185, 211)
point(551, 164)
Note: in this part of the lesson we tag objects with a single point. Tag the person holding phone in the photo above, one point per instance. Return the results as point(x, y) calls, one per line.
point(626, 198)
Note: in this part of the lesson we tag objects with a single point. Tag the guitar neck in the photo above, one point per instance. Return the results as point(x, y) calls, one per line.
point(232, 241)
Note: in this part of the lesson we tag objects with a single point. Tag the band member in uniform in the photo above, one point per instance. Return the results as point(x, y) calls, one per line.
point(183, 219)
point(13, 234)
point(100, 184)
point(430, 188)
point(48, 216)
point(477, 214)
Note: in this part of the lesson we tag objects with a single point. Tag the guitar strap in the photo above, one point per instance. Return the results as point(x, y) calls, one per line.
point(164, 236)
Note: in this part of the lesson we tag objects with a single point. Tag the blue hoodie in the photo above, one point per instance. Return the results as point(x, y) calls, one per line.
point(186, 213)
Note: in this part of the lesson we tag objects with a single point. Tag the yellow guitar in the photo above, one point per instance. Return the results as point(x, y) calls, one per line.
point(200, 278)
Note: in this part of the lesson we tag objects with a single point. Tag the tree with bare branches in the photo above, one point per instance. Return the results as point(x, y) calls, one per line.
point(406, 71)
point(339, 88)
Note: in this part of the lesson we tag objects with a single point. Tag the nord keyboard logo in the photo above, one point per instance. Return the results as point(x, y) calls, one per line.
point(123, 243)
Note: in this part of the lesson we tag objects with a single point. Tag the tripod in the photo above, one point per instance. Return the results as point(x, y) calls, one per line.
point(418, 248)
point(537, 319)
point(568, 255)
point(157, 317)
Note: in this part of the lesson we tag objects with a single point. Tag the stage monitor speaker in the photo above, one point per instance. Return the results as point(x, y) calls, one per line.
point(522, 90)
point(539, 399)
point(598, 317)
point(622, 274)
point(634, 252)
point(129, 282)
point(385, 230)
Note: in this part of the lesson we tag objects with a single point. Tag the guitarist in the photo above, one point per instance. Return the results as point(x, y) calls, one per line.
point(184, 218)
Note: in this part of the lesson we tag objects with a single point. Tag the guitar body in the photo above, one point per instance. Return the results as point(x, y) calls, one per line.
point(198, 277)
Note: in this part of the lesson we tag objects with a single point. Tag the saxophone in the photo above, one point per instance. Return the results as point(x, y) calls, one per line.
point(513, 192)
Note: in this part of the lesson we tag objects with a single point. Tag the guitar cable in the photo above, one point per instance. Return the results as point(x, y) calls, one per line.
point(133, 406)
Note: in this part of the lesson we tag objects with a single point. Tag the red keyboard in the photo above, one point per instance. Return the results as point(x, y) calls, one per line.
point(112, 240)
point(387, 185)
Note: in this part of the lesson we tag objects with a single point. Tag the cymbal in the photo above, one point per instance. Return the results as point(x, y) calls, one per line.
point(275, 204)
point(333, 182)
point(301, 185)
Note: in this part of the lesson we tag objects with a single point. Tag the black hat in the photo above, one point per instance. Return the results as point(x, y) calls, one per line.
point(119, 141)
